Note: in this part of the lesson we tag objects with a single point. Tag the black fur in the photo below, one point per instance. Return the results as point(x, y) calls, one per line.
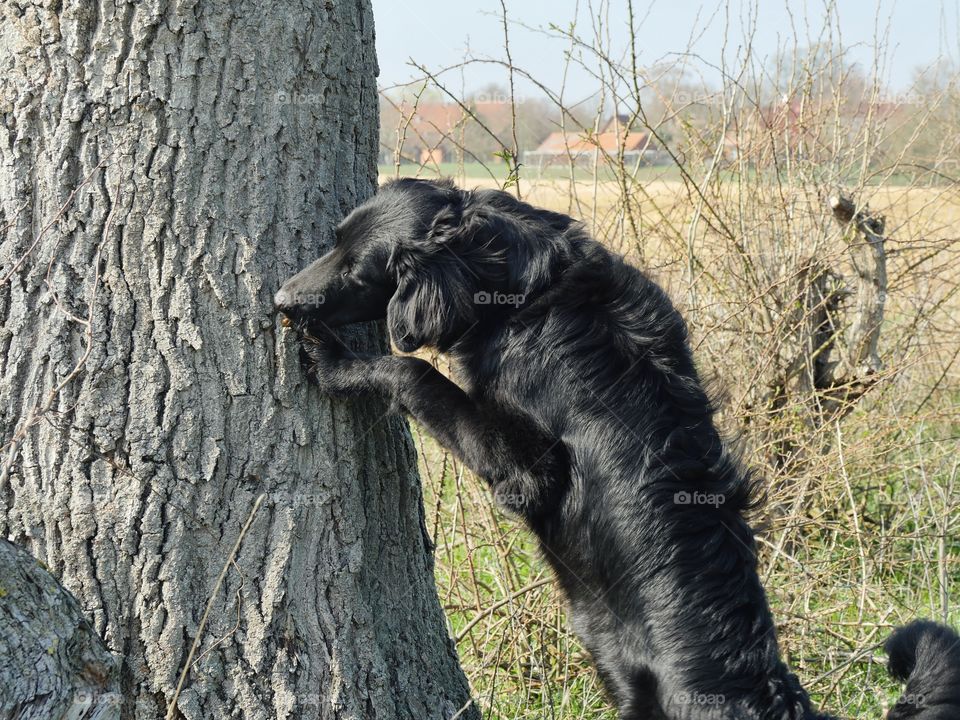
point(578, 401)
point(927, 657)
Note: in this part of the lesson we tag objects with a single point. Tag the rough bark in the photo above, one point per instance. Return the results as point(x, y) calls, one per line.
point(54, 664)
point(147, 399)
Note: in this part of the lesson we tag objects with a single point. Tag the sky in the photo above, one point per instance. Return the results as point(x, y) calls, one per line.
point(439, 34)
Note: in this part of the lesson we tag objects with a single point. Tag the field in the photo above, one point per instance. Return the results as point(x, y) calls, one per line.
point(495, 173)
point(859, 532)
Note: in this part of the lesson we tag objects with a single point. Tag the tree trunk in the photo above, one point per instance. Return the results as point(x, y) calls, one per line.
point(163, 167)
point(54, 664)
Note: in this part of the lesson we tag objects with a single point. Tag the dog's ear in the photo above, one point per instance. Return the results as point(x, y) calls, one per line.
point(433, 305)
point(476, 244)
point(403, 313)
point(434, 302)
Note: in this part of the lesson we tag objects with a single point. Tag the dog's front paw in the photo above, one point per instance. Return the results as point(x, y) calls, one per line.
point(331, 365)
point(324, 358)
point(321, 347)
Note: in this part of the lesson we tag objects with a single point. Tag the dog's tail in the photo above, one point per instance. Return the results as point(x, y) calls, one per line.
point(926, 656)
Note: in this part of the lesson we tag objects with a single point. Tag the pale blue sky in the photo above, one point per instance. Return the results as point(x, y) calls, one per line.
point(438, 33)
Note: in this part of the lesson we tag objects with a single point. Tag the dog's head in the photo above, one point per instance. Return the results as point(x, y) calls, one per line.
point(431, 259)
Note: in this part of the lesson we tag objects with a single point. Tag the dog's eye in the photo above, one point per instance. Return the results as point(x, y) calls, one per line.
point(345, 273)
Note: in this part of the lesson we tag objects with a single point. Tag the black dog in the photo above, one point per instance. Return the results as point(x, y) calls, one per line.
point(580, 404)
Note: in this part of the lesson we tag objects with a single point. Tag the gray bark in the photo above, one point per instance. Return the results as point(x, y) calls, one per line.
point(54, 664)
point(147, 398)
